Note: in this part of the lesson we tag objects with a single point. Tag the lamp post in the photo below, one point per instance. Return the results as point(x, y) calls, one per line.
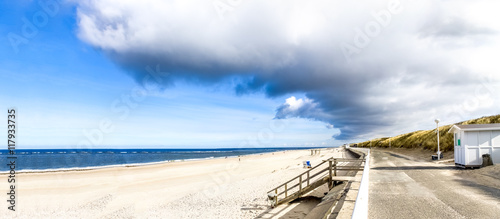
point(437, 131)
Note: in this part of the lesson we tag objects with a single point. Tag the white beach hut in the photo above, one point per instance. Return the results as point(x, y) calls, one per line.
point(472, 141)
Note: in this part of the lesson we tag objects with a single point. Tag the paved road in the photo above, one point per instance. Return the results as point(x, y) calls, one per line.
point(404, 188)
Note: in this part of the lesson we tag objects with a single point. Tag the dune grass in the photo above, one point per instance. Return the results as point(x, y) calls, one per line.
point(426, 139)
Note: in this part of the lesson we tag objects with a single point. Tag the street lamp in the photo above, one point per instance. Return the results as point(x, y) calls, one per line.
point(437, 131)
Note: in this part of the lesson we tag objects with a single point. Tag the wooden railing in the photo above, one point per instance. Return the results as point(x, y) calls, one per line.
point(311, 179)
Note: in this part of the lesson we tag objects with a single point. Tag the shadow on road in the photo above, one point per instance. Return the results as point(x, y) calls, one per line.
point(397, 155)
point(492, 192)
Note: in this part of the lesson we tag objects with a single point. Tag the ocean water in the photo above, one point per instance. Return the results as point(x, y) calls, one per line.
point(55, 159)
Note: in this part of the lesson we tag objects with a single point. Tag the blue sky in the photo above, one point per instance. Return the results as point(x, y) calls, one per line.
point(63, 88)
point(249, 74)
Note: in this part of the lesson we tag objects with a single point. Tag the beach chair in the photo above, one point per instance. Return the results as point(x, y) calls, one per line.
point(306, 164)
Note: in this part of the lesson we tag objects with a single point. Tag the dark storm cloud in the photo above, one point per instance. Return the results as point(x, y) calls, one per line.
point(361, 65)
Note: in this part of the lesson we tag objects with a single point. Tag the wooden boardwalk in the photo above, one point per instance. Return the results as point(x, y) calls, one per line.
point(325, 172)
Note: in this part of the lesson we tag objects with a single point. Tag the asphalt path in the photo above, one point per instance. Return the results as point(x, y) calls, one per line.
point(400, 187)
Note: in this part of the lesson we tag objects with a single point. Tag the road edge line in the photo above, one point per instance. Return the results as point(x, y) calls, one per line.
point(361, 205)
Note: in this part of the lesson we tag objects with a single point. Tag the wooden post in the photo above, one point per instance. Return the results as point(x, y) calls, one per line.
point(330, 173)
point(286, 191)
point(300, 183)
point(335, 167)
point(308, 178)
point(276, 197)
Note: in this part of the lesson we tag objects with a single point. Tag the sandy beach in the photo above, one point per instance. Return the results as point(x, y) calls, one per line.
point(214, 188)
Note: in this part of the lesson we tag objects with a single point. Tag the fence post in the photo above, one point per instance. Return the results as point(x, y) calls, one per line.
point(286, 191)
point(308, 178)
point(300, 184)
point(329, 173)
point(335, 167)
point(276, 197)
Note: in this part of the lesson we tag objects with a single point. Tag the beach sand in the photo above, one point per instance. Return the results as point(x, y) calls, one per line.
point(214, 188)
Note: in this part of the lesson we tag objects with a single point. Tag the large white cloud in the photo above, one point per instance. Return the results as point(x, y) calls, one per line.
point(366, 67)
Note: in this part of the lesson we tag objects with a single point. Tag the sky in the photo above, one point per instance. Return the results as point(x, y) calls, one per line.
point(243, 73)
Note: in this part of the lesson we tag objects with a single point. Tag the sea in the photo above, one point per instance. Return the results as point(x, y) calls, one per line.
point(40, 160)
